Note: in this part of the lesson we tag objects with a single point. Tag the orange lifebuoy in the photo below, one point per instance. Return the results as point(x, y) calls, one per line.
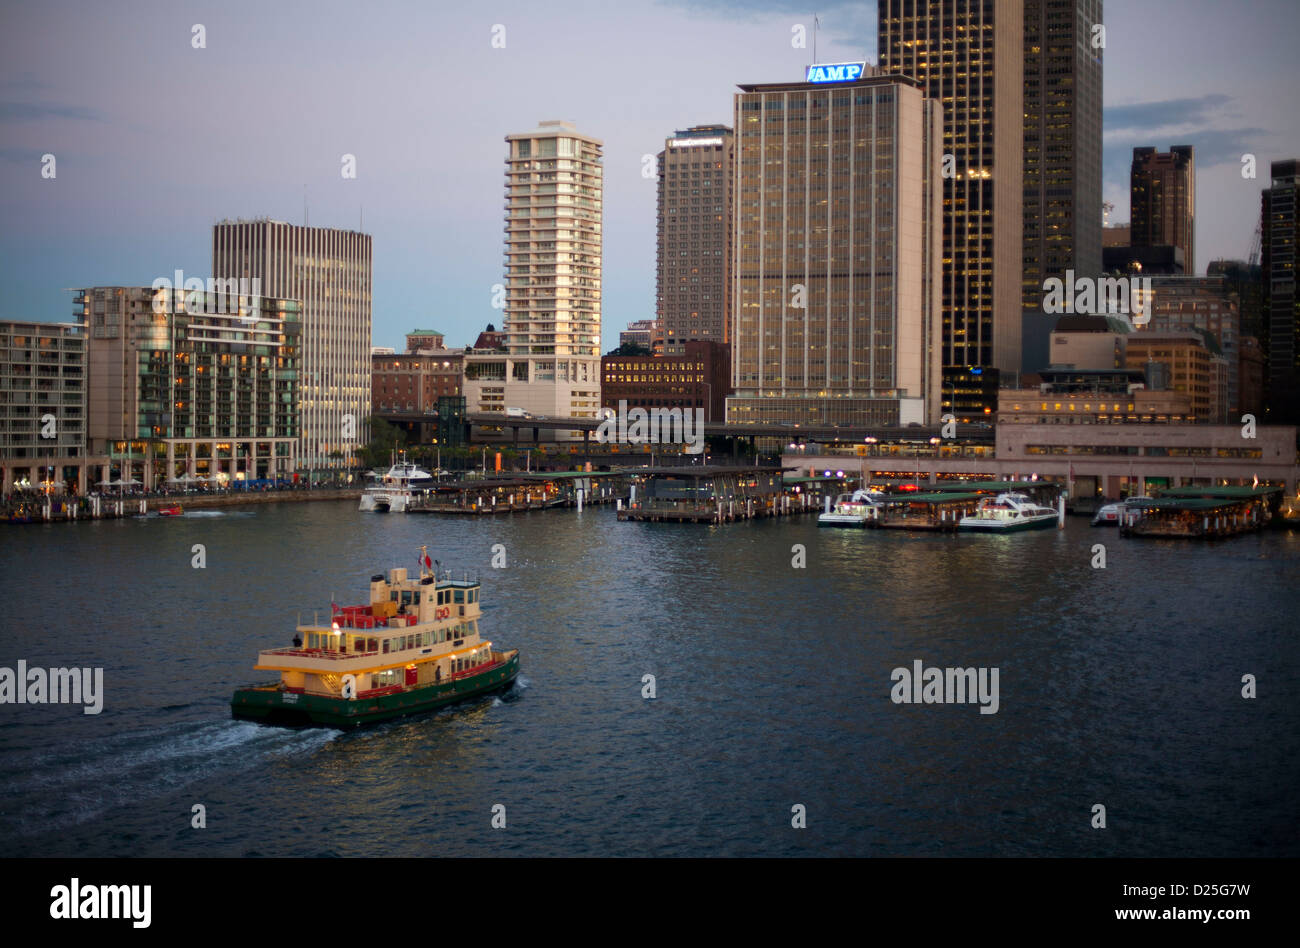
point(444, 612)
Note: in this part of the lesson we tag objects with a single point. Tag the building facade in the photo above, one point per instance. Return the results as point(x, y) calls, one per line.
point(1281, 305)
point(968, 56)
point(699, 377)
point(329, 271)
point(695, 214)
point(1089, 343)
point(1200, 304)
point(1188, 366)
point(554, 187)
point(1162, 196)
point(837, 295)
point(43, 407)
point(412, 383)
point(186, 385)
point(1062, 154)
point(641, 332)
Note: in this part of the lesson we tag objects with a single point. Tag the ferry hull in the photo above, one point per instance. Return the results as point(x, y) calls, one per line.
point(842, 520)
point(968, 525)
point(287, 709)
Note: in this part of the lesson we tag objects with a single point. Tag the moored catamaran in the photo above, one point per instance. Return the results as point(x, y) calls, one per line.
point(414, 647)
point(1009, 512)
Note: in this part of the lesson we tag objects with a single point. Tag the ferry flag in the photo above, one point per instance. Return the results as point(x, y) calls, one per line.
point(427, 562)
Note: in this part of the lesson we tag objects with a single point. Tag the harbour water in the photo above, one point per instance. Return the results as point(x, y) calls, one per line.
point(1119, 686)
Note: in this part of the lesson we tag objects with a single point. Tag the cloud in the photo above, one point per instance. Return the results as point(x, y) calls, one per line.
point(18, 156)
point(11, 112)
point(1146, 116)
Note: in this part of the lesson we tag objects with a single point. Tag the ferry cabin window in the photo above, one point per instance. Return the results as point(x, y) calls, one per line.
point(385, 646)
point(460, 595)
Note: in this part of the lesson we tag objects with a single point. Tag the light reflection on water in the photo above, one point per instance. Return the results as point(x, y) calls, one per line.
point(1119, 686)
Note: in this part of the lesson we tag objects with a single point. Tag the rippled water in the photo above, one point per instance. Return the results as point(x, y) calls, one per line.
point(1119, 686)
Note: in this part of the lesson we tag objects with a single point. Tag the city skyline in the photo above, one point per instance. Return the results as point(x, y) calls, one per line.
point(119, 213)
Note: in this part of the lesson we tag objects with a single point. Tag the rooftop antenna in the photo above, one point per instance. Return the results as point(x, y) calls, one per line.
point(304, 205)
point(816, 23)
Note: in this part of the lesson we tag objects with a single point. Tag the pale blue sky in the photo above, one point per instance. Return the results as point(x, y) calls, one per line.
point(155, 140)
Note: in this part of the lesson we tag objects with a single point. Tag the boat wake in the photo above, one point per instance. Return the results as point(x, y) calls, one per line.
point(61, 790)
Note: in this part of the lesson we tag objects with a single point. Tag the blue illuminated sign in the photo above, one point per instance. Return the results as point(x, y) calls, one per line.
point(836, 72)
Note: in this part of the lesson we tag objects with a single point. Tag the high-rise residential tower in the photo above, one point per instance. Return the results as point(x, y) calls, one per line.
point(1162, 191)
point(1279, 239)
point(329, 271)
point(695, 221)
point(968, 56)
point(1062, 156)
point(553, 271)
point(837, 240)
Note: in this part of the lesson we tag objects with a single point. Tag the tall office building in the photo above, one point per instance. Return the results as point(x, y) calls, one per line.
point(1062, 156)
point(553, 271)
point(838, 230)
point(968, 57)
point(695, 221)
point(329, 271)
point(1162, 191)
point(1278, 240)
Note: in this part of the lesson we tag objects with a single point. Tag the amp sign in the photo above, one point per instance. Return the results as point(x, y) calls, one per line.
point(836, 72)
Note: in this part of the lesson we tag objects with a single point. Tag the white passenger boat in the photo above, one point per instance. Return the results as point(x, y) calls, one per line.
point(396, 489)
point(1008, 512)
point(1110, 514)
point(852, 510)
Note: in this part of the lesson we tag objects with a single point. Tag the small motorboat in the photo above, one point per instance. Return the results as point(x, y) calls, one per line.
point(171, 510)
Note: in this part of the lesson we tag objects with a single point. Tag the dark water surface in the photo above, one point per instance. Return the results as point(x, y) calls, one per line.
point(1119, 686)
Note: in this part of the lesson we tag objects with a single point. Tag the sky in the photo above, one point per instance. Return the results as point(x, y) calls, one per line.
point(154, 139)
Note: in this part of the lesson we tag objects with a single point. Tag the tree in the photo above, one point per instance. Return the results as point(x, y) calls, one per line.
point(630, 349)
point(385, 438)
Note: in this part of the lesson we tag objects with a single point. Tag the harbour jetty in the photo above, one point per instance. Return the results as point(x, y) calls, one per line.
point(489, 496)
point(935, 511)
point(69, 509)
point(1202, 513)
point(714, 493)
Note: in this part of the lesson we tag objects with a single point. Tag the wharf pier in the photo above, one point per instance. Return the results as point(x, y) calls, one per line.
point(722, 494)
point(490, 496)
point(1202, 513)
point(69, 508)
point(936, 511)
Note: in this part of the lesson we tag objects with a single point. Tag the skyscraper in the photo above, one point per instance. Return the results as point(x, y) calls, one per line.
point(968, 57)
point(553, 272)
point(329, 271)
point(695, 222)
point(1162, 192)
point(1279, 239)
point(1062, 156)
point(837, 241)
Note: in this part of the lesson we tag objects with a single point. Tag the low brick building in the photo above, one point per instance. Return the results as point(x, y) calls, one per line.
point(698, 378)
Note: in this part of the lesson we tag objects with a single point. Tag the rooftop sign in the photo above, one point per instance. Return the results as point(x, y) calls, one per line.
point(836, 72)
point(692, 142)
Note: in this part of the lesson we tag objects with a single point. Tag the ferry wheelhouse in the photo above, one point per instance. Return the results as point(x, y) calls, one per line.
point(395, 490)
point(414, 647)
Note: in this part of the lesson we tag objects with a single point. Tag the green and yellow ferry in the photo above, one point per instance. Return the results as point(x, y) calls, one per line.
point(413, 648)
